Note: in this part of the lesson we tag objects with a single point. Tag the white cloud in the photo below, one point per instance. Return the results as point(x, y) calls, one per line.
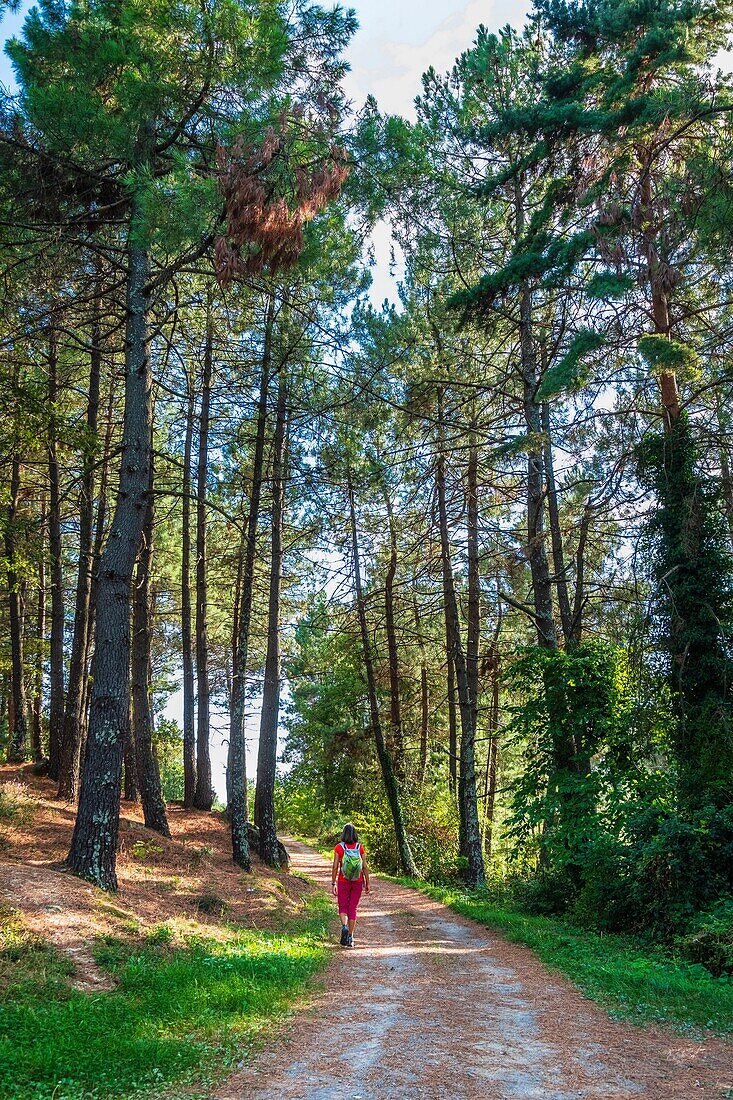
point(389, 65)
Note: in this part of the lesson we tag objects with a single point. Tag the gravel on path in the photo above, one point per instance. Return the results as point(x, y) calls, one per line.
point(431, 1005)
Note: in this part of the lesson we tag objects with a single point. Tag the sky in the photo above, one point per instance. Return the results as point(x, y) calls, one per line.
point(398, 40)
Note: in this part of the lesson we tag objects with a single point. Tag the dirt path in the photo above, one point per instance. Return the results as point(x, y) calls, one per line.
point(429, 1005)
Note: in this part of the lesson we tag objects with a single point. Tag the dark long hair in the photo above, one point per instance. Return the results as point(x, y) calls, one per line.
point(349, 834)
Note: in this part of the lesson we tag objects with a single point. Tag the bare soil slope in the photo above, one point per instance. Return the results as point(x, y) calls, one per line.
point(188, 882)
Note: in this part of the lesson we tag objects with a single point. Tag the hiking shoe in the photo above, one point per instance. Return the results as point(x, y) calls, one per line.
point(349, 941)
point(344, 936)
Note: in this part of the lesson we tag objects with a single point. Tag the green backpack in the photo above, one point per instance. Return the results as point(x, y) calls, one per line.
point(351, 863)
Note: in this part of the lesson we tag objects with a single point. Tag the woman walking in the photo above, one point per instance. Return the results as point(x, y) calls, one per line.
point(349, 875)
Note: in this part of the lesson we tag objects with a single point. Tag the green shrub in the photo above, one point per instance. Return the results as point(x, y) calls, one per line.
point(169, 752)
point(432, 823)
point(298, 807)
point(678, 864)
point(665, 868)
point(709, 940)
point(545, 893)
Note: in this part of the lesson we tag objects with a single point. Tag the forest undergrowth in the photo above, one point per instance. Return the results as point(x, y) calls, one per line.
point(181, 1014)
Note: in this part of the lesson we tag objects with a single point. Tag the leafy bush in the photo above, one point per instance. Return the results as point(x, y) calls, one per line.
point(432, 824)
point(169, 751)
point(657, 872)
point(709, 940)
point(376, 833)
point(568, 726)
point(546, 893)
point(679, 863)
point(298, 807)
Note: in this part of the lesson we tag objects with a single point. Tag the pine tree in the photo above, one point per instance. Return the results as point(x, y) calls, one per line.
point(634, 96)
point(131, 117)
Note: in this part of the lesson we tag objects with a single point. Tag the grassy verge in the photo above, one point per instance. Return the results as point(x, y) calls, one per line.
point(180, 1016)
point(632, 980)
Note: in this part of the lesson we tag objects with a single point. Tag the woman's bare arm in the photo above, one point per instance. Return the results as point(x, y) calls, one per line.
point(365, 872)
point(335, 871)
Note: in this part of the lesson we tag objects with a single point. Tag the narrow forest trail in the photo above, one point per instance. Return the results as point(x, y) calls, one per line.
point(432, 1005)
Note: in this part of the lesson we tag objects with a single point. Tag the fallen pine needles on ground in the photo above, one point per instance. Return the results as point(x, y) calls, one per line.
point(631, 979)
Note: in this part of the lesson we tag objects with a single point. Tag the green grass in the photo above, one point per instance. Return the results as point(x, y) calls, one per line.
point(631, 979)
point(17, 804)
point(180, 1016)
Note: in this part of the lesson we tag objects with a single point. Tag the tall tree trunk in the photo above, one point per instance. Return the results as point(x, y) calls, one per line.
point(659, 301)
point(204, 795)
point(241, 552)
point(94, 842)
point(131, 792)
point(396, 745)
point(424, 690)
point(558, 553)
point(6, 708)
point(452, 704)
point(579, 599)
point(536, 550)
point(385, 760)
point(267, 754)
point(492, 757)
point(18, 743)
point(492, 668)
point(564, 749)
point(37, 728)
point(56, 701)
point(100, 533)
point(236, 763)
point(473, 633)
point(468, 799)
point(148, 775)
point(726, 473)
point(189, 735)
point(467, 785)
point(74, 713)
point(450, 663)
